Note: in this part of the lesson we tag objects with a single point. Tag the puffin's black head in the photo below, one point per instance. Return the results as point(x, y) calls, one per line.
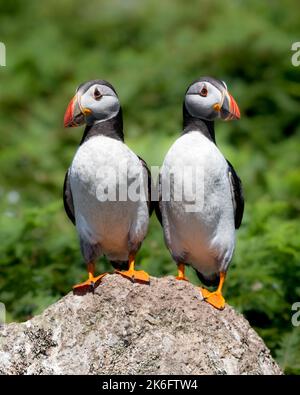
point(94, 101)
point(208, 99)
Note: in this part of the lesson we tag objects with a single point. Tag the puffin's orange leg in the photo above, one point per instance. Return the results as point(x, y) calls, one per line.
point(215, 298)
point(92, 281)
point(134, 275)
point(181, 270)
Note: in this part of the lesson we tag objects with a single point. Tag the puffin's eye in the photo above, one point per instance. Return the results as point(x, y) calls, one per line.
point(97, 94)
point(204, 91)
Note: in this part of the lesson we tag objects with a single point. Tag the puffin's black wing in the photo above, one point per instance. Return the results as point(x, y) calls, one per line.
point(157, 203)
point(68, 199)
point(145, 166)
point(237, 195)
point(152, 205)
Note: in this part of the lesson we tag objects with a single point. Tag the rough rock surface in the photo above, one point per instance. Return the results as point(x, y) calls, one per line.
point(130, 328)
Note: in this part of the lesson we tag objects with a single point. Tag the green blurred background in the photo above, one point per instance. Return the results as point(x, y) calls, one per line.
point(150, 51)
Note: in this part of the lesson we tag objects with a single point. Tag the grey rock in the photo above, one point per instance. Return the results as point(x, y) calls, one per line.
point(130, 328)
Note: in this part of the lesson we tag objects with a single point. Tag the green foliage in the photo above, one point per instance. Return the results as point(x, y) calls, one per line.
point(151, 50)
point(287, 356)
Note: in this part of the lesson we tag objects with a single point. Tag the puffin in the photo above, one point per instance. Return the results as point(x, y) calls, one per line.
point(107, 186)
point(201, 201)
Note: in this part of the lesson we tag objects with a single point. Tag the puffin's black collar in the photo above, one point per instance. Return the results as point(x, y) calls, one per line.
point(207, 128)
point(112, 128)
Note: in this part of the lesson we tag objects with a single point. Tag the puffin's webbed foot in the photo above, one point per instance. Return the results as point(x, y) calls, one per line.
point(91, 283)
point(134, 275)
point(181, 270)
point(215, 298)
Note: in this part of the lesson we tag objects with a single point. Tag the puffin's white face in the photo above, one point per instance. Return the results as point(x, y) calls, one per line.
point(202, 99)
point(92, 103)
point(207, 101)
point(98, 103)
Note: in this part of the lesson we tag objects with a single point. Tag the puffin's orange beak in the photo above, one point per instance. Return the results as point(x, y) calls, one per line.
point(229, 110)
point(73, 115)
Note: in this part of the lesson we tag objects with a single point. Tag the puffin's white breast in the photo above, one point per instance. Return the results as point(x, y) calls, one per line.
point(98, 169)
point(201, 230)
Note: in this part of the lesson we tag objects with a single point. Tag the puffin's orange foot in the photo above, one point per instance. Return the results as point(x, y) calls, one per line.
point(214, 298)
point(135, 275)
point(181, 278)
point(91, 283)
point(181, 270)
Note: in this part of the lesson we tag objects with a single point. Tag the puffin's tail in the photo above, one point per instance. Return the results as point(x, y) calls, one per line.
point(209, 280)
point(120, 265)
